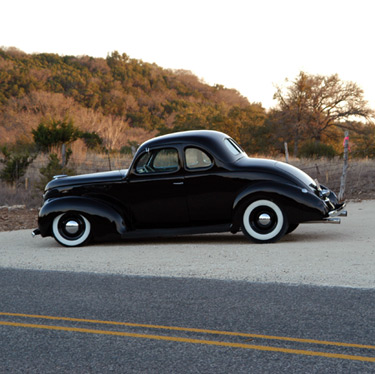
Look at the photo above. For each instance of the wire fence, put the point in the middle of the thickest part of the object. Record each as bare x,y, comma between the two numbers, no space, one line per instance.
360,179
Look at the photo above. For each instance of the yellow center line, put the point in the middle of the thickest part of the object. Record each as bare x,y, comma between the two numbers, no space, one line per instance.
193,341
187,329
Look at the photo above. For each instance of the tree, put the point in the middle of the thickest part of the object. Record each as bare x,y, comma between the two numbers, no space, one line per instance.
92,140
15,164
312,104
53,133
364,139
53,168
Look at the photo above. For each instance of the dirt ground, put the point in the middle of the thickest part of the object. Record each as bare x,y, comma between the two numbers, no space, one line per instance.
18,218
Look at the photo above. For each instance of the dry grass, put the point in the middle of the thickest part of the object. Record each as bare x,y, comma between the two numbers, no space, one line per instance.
360,183
360,180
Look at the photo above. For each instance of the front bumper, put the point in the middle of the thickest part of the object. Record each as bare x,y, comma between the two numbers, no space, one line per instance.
35,232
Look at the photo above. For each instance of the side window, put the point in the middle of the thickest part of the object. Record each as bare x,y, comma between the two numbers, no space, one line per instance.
159,161
166,160
141,166
197,159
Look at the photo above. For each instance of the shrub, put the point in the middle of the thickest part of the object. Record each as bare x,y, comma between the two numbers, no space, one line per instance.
52,132
53,168
16,164
316,150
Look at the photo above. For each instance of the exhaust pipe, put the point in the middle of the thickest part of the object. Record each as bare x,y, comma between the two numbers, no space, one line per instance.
334,220
338,213
343,213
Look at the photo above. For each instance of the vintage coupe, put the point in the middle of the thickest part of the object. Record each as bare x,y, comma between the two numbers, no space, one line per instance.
186,183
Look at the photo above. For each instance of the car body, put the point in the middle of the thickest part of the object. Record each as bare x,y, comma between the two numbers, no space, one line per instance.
185,183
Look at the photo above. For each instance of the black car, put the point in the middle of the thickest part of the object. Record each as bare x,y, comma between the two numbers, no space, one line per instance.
186,183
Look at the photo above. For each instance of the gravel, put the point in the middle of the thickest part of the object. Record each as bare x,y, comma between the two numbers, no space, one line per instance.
316,254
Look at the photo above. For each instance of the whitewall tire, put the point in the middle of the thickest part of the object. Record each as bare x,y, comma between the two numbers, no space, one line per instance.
71,229
263,221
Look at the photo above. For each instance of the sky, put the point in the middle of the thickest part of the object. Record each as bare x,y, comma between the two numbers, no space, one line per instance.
251,46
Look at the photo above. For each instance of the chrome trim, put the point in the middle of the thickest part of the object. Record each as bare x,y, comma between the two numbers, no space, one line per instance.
264,219
327,220
59,176
338,212
35,233
343,213
326,193
72,227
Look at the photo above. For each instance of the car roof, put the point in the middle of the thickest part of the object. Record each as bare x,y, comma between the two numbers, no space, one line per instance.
212,141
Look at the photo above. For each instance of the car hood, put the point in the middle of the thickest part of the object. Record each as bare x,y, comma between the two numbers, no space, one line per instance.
282,169
102,177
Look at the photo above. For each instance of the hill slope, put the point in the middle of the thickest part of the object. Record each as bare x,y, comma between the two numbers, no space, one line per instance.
120,98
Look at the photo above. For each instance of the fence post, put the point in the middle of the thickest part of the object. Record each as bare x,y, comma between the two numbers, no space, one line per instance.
286,152
63,155
345,167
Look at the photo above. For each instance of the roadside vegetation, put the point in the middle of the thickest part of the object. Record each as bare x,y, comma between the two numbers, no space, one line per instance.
58,113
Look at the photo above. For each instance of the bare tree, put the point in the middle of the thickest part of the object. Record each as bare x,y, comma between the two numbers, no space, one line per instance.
312,104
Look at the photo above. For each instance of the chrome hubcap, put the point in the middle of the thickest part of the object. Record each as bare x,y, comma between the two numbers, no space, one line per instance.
72,227
264,219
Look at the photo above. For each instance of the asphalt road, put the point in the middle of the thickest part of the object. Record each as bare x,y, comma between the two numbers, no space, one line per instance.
270,325
206,304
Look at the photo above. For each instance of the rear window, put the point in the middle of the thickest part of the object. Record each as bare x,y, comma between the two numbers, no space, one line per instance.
197,159
233,147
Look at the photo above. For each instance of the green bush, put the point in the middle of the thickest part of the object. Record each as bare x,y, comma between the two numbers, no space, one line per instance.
53,132
316,150
16,164
53,168
92,140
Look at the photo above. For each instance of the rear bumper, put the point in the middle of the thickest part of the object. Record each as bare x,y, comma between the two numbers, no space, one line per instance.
333,215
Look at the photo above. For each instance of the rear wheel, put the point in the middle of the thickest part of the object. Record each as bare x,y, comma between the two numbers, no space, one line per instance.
263,221
71,229
291,228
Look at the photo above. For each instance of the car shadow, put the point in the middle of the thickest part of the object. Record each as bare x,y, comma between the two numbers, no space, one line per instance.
221,239
183,239
209,239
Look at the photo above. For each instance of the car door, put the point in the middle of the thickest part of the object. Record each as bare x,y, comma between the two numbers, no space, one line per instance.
210,190
157,195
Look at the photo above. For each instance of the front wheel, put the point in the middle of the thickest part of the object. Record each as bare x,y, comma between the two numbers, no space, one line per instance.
71,229
291,228
263,221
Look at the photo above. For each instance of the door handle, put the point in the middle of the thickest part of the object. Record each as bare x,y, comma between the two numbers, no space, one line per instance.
178,183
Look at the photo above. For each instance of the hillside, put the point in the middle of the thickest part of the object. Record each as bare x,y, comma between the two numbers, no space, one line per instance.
123,100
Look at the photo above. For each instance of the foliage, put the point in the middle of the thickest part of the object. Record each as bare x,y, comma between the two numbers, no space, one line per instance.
129,149
115,100
364,142
143,95
52,132
53,168
15,164
91,139
315,150
313,104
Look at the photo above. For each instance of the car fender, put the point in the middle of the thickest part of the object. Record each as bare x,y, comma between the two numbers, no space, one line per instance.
300,203
88,206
